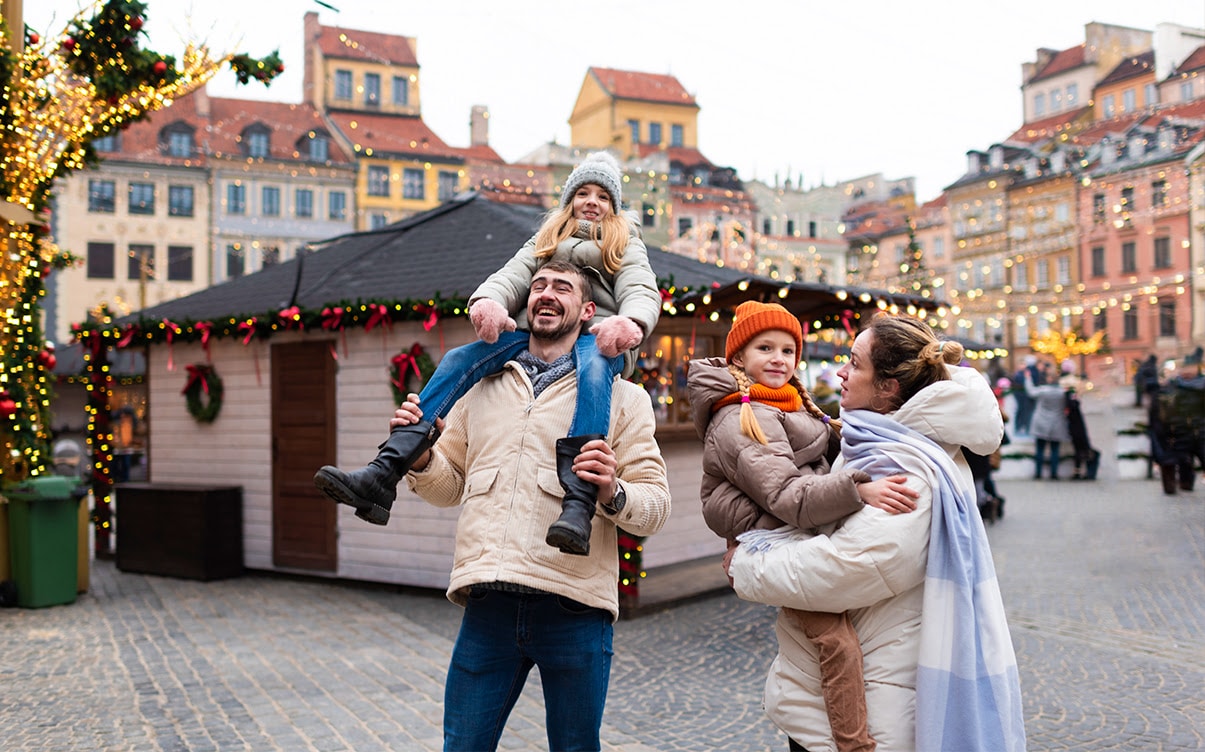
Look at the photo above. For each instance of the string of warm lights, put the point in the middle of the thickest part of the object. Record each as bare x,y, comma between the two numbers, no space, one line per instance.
59,94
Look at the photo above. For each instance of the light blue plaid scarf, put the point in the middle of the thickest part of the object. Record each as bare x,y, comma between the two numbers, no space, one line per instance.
968,695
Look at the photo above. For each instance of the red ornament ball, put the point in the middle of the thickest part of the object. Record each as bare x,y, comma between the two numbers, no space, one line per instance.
160,67
7,407
69,43
34,38
135,23
280,68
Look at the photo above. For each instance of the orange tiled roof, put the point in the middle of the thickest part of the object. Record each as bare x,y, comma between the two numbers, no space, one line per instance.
1040,130
1194,110
1063,61
645,87
391,134
1195,61
482,153
936,203
1134,65
1102,128
140,142
353,44
685,155
289,124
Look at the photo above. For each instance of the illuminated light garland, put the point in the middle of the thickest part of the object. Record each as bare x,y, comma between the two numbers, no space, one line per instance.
59,94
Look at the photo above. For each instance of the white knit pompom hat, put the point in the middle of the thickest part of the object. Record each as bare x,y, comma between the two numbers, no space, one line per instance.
599,168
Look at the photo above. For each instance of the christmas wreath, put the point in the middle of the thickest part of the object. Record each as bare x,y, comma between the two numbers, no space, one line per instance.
203,382
408,367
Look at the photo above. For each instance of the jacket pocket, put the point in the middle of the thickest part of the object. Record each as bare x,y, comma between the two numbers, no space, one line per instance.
549,509
476,522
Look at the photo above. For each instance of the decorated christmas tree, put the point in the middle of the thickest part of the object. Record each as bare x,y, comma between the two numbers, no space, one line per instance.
915,277
60,93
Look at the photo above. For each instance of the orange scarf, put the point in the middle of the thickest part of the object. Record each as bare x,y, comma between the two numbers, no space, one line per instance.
785,398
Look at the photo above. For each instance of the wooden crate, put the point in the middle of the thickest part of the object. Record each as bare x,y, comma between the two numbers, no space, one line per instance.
178,530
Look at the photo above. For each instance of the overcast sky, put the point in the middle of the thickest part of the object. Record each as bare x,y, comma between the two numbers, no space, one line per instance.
827,90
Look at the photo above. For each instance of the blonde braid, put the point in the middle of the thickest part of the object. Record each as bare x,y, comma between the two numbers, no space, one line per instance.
749,425
833,424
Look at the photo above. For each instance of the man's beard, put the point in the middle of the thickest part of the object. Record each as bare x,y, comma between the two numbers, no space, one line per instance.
566,326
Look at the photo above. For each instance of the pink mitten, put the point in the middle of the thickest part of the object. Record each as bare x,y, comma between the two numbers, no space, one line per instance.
616,334
490,319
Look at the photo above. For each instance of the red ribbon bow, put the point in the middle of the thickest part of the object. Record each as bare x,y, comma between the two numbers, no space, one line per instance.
407,361
380,315
248,326
846,320
197,373
127,336
290,316
172,331
206,330
332,318
432,315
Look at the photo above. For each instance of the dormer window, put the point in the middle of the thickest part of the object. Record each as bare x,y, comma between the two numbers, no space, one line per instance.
315,146
176,140
256,143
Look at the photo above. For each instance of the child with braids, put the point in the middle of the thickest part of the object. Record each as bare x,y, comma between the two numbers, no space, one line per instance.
766,458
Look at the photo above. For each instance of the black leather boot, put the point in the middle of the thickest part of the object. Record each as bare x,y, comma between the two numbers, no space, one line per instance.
1167,473
372,488
571,532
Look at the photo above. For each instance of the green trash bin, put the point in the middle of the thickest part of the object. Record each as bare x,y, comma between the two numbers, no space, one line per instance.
43,539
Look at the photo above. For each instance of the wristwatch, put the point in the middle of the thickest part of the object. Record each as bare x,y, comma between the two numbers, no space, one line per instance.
618,501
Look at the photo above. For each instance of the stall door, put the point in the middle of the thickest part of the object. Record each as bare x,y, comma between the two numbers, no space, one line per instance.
303,440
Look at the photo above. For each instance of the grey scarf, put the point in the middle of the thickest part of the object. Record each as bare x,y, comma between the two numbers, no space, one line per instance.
543,374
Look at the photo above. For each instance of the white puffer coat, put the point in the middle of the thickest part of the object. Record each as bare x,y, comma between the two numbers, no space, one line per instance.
873,566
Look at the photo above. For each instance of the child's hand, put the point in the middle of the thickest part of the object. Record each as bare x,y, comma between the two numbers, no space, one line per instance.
490,319
889,494
617,334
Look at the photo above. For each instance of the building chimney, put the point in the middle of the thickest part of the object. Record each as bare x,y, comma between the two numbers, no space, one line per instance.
201,101
311,30
479,126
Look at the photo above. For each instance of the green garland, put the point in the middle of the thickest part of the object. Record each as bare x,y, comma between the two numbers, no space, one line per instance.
203,381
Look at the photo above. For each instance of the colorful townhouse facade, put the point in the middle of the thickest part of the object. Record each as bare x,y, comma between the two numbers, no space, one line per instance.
697,208
1043,224
368,87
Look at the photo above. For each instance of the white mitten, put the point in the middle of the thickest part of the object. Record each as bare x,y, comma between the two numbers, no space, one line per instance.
616,334
490,319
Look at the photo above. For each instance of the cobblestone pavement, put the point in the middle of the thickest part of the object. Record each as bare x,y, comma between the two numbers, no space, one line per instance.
1104,586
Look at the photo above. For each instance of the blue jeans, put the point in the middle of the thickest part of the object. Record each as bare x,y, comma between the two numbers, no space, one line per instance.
502,635
1039,452
464,366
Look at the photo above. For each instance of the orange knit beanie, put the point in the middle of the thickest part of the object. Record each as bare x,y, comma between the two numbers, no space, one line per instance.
752,318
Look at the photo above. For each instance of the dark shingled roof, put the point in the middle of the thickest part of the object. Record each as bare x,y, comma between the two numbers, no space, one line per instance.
447,251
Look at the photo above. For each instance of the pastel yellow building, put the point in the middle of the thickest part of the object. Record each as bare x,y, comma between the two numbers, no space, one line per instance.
623,110
367,84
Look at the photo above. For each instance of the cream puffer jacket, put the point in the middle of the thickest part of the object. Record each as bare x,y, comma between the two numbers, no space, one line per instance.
872,565
631,291
749,485
503,474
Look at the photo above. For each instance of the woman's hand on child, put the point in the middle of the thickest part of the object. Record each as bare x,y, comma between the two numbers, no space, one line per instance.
727,561
889,494
616,334
490,319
